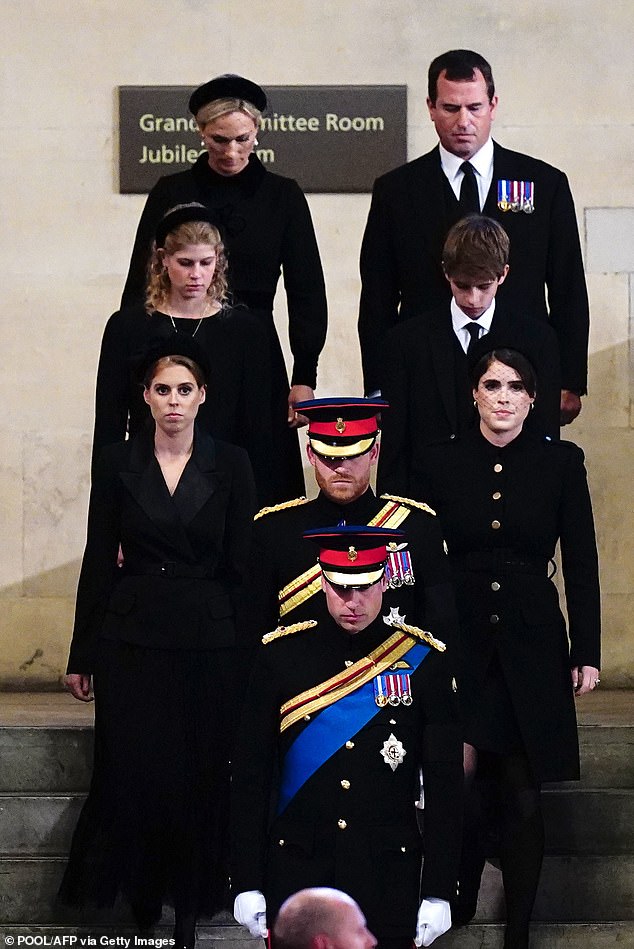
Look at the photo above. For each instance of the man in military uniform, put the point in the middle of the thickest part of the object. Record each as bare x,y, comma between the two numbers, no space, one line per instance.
285,578
339,717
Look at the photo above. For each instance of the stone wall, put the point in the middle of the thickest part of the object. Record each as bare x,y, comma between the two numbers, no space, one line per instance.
564,75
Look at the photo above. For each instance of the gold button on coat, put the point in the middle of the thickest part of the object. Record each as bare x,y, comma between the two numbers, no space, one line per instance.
494,618
281,843
345,784
341,824
496,495
495,586
495,525
497,468
349,744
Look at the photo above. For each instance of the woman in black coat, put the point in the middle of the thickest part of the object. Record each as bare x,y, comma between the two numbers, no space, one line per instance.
267,228
187,294
158,637
505,498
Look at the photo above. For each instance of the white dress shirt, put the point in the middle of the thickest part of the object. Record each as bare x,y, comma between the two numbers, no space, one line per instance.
460,321
482,163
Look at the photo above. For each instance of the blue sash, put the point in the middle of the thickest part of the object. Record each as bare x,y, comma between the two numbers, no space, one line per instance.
329,731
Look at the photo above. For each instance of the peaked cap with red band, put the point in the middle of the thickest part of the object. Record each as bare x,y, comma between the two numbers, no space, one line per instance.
342,428
353,555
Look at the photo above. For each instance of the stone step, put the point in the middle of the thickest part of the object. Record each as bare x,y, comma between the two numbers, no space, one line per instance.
47,758
574,887
609,935
595,821
59,759
583,888
38,824
577,821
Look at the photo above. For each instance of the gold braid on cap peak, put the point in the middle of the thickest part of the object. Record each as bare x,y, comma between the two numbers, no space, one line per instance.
288,630
420,634
419,504
280,507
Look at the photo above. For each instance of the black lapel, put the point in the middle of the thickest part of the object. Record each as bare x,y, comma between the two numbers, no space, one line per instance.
145,483
199,480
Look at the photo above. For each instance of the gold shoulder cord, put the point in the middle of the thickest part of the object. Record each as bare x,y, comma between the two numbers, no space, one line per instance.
419,504
280,507
288,630
420,634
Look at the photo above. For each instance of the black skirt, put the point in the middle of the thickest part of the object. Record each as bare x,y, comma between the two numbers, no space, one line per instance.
154,826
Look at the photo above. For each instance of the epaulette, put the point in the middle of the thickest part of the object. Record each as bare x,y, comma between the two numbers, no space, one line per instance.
420,634
419,504
280,507
288,630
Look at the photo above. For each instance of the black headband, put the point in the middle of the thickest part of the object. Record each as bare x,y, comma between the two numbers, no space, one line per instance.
174,219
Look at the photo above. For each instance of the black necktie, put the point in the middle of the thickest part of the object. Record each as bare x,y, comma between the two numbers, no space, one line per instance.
473,329
469,200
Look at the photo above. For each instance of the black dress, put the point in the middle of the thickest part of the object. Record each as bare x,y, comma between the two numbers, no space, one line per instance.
159,637
503,510
267,229
237,389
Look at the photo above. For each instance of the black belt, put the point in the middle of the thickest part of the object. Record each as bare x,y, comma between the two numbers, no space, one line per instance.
168,568
503,560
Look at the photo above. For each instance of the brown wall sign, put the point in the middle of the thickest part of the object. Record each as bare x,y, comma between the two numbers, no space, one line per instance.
329,138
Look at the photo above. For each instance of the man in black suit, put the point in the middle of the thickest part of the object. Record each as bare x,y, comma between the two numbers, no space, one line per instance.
425,373
414,206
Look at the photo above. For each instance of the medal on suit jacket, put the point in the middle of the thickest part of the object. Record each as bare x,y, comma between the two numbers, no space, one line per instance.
393,688
393,752
398,567
516,195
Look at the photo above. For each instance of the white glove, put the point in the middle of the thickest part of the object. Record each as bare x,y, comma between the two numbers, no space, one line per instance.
249,909
434,919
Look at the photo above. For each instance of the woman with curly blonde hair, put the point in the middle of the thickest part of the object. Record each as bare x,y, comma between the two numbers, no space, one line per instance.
187,293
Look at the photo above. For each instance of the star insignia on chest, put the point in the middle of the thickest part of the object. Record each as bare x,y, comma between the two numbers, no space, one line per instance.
393,752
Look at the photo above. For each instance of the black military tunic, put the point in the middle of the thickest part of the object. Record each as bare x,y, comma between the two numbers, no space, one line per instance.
352,824
280,555
503,511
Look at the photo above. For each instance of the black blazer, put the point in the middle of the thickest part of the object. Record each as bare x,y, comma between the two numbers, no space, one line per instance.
425,379
412,209
184,554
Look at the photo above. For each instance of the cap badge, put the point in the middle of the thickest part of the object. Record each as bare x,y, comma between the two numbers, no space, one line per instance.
352,554
340,425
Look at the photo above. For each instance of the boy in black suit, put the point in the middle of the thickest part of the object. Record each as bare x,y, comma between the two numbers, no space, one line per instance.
425,372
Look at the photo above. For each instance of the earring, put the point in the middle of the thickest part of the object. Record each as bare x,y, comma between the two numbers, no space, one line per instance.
532,406
475,404
255,142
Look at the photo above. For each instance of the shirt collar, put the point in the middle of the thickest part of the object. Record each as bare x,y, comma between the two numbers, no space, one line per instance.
460,319
482,161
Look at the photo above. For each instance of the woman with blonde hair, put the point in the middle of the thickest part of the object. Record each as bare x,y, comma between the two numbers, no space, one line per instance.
187,293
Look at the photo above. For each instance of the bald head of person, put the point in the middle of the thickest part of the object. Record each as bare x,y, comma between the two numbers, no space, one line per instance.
321,918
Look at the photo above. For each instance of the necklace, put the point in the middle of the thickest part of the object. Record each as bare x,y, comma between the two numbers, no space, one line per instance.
204,313
195,331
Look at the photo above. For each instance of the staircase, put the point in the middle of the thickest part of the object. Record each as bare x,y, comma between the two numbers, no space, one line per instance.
45,766
586,894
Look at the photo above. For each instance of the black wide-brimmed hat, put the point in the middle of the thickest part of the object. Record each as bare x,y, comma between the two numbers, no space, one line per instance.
228,86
